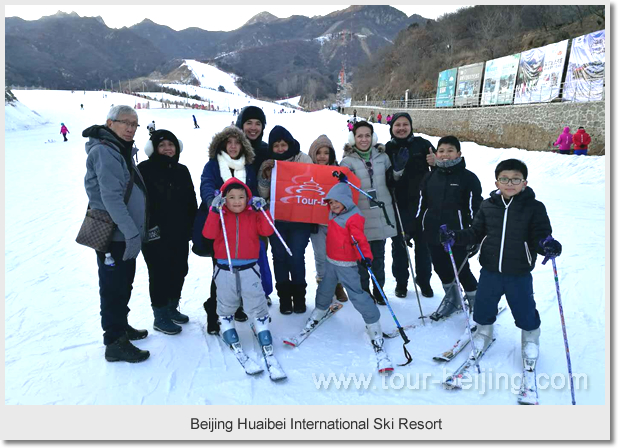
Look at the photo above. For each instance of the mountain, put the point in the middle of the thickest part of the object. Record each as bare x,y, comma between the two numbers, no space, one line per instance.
280,57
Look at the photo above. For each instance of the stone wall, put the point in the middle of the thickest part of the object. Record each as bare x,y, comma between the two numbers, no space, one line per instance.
530,126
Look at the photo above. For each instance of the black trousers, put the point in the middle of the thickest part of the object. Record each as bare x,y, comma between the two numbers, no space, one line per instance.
167,269
115,285
377,265
422,259
444,266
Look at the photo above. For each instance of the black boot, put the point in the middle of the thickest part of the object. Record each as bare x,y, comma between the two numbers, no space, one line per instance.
401,290
425,287
123,350
284,292
177,316
210,306
298,295
135,335
240,316
163,321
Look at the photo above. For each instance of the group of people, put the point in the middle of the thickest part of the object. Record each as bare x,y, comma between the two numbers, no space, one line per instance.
579,141
420,188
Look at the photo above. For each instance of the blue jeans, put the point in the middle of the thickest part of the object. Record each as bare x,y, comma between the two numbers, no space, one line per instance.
519,295
115,285
296,236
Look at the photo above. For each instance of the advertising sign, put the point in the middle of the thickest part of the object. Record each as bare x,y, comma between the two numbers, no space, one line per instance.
585,79
499,80
297,191
540,73
469,79
445,95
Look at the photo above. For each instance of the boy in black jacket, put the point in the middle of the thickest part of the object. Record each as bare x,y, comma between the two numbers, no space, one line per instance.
450,194
512,227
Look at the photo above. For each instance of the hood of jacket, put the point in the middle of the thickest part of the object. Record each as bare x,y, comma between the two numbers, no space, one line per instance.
349,150
342,192
321,142
279,133
100,132
233,180
566,130
217,145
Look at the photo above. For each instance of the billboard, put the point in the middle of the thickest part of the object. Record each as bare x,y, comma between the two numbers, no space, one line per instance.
540,73
586,70
445,95
499,80
469,84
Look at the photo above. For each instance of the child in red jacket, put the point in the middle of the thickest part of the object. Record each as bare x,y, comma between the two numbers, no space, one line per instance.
244,225
345,222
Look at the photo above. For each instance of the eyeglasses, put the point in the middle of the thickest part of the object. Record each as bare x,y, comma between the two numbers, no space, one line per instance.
129,124
506,180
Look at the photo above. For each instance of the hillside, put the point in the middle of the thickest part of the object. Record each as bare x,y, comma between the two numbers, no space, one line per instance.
475,34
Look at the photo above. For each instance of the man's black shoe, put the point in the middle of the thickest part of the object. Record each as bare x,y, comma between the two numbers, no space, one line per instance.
123,350
135,335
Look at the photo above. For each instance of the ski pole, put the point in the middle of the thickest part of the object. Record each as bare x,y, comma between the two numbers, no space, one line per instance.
564,333
227,246
343,178
447,247
403,241
276,231
399,327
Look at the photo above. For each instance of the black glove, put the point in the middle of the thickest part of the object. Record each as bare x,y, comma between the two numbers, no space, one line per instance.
401,159
551,247
446,236
472,249
366,263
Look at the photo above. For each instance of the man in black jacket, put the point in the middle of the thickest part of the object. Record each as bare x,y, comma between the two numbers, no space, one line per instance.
411,158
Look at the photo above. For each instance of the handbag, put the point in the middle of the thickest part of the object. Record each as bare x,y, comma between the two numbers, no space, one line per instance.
202,247
98,226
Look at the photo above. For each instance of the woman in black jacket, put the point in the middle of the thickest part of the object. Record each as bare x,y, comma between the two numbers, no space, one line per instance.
451,195
171,206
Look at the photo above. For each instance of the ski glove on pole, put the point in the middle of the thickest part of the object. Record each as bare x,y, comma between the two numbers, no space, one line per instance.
257,203
133,246
551,247
217,202
447,236
401,159
366,262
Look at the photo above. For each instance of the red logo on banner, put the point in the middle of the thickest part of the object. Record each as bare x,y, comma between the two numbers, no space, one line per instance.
297,191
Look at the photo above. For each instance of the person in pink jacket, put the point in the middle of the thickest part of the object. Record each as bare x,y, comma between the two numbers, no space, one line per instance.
64,131
565,140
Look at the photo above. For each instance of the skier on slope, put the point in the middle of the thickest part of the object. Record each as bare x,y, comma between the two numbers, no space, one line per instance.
345,222
513,227
64,131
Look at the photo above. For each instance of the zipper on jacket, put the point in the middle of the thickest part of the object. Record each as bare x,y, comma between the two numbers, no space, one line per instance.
528,253
506,213
420,203
460,220
470,207
236,254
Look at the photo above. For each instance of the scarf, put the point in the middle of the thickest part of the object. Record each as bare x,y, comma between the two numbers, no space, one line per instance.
448,163
226,163
365,155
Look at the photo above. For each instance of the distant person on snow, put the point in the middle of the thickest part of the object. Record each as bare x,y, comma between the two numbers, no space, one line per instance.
379,117
151,127
82,106
111,175
64,131
388,119
196,126
581,140
565,140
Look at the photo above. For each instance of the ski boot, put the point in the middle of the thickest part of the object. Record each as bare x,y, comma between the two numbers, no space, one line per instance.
377,341
450,303
530,344
260,327
470,297
315,317
228,330
482,338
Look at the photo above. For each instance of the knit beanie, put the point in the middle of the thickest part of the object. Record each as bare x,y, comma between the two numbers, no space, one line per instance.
157,137
399,115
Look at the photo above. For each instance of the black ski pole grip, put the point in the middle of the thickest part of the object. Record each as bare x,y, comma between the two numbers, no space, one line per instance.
404,336
336,174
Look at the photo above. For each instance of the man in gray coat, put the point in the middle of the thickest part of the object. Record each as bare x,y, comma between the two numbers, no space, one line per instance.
110,172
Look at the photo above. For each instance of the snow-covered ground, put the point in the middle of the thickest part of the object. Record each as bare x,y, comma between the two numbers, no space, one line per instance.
53,340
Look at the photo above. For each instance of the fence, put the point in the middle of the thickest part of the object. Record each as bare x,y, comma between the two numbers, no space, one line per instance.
477,100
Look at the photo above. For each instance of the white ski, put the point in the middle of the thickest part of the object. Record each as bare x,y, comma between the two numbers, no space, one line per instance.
250,366
528,392
275,371
295,341
453,381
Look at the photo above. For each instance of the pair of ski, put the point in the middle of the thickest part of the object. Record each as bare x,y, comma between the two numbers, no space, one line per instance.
275,371
527,395
384,363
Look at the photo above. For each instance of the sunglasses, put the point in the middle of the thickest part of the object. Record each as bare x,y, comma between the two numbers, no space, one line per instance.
369,167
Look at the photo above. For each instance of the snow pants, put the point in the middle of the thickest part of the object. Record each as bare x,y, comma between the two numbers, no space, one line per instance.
422,259
580,152
444,266
296,235
115,285
377,265
167,269
318,241
519,295
348,276
242,282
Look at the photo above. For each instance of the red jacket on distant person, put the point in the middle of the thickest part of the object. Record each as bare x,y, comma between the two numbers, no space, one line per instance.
247,226
581,139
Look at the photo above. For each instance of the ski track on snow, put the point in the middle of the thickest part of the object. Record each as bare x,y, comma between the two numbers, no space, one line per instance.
53,341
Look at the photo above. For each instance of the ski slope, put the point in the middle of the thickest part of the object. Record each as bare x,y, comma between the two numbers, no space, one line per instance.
53,339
